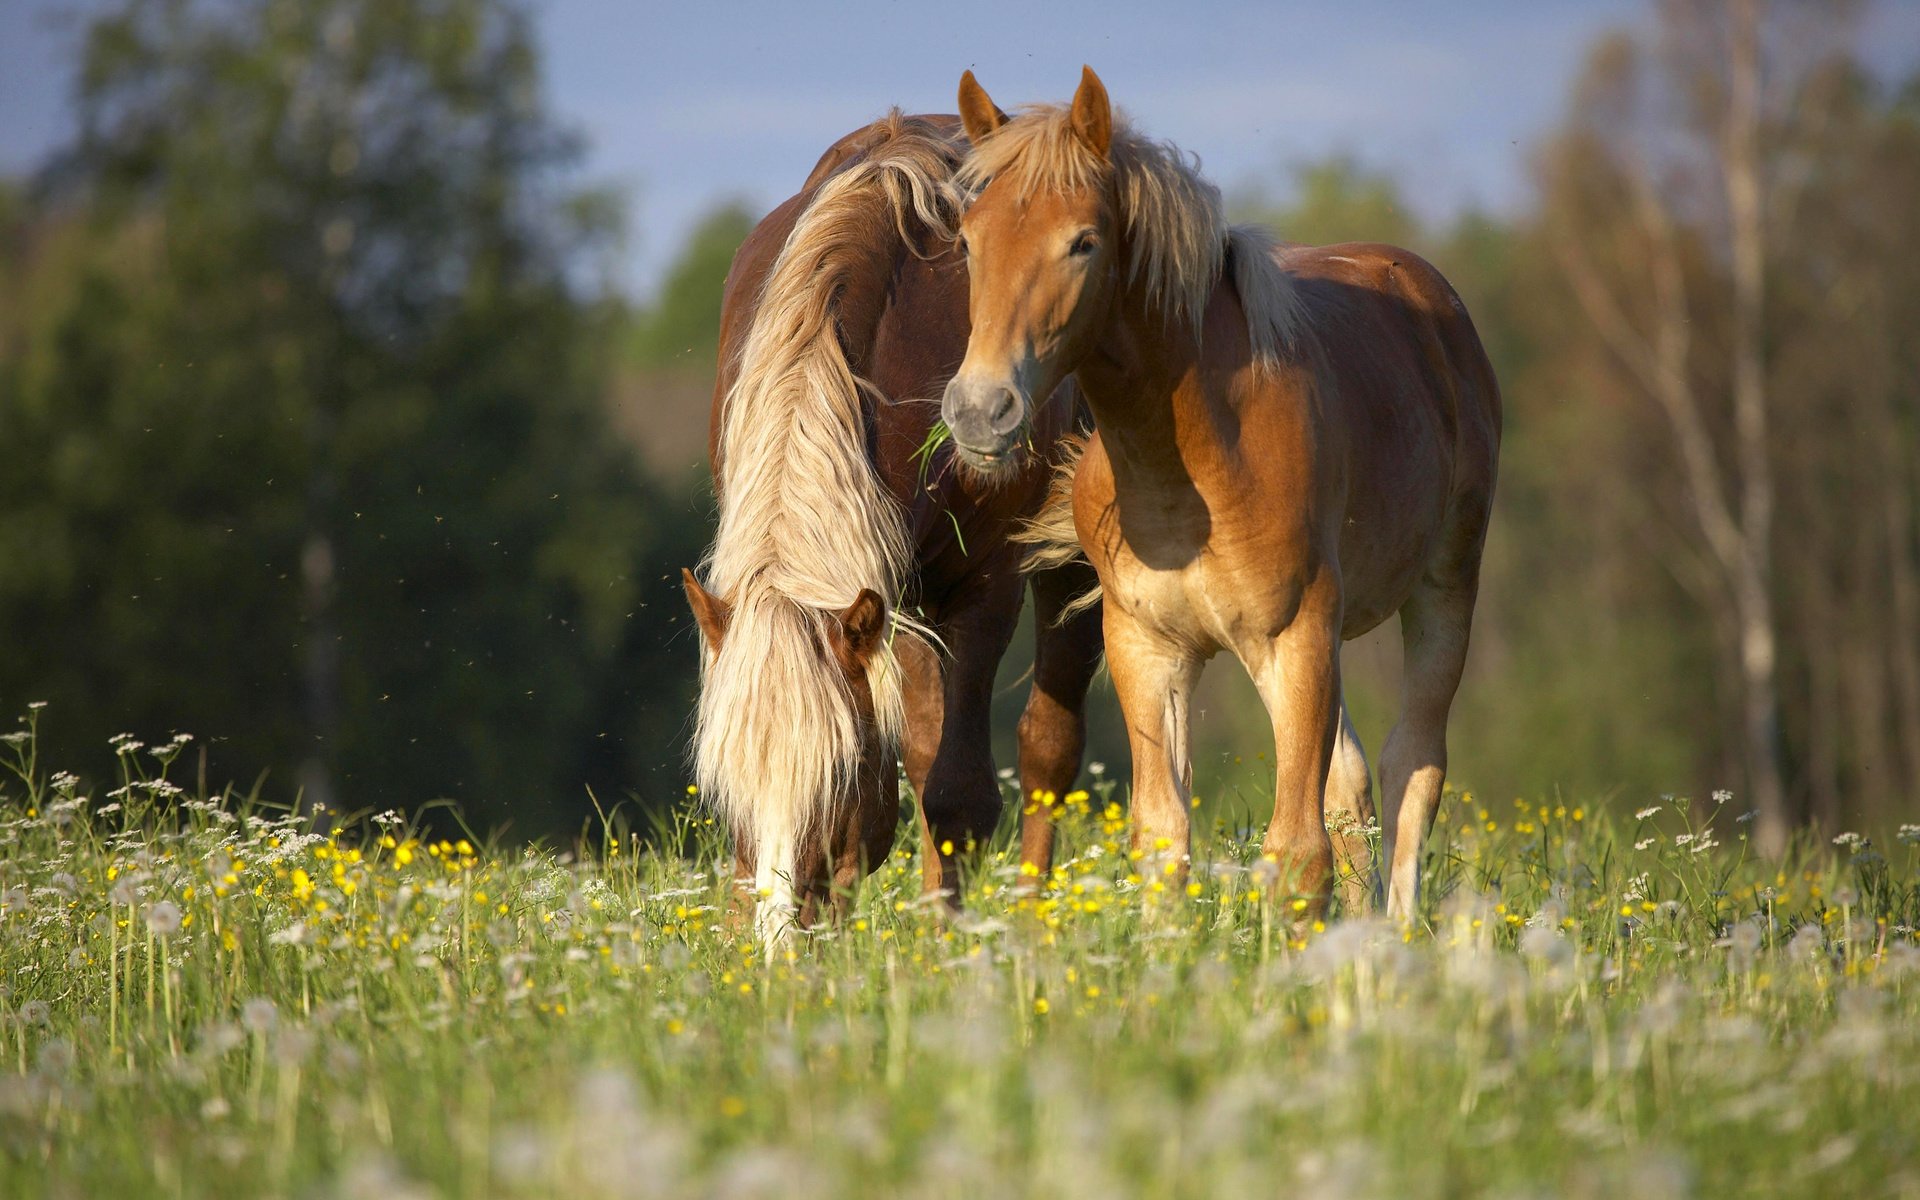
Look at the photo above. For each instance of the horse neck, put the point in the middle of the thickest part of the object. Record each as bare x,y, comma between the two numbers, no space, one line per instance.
1143,382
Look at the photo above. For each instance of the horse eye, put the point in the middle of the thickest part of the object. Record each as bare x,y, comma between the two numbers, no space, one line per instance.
1083,245
961,242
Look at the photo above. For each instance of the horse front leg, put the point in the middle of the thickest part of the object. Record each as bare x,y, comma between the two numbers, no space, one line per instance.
1053,729
959,798
1154,677
1299,679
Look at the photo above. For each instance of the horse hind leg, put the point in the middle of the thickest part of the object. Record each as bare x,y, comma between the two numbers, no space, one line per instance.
1348,810
1053,728
1434,625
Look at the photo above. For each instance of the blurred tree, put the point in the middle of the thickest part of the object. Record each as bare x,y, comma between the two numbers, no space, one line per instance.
1334,199
1720,209
300,415
663,387
681,330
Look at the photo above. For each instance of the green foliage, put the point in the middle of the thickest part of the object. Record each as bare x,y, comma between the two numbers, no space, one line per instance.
233,1003
299,411
1334,200
682,329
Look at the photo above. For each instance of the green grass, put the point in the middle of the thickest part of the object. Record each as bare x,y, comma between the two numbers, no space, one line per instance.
202,998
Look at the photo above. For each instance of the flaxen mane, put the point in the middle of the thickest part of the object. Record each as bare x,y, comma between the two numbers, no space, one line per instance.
1178,242
1178,246
805,522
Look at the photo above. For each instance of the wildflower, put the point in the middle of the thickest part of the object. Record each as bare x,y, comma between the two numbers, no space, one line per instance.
1644,813
259,1014
1850,840
1096,769
163,919
1808,943
1721,795
55,1057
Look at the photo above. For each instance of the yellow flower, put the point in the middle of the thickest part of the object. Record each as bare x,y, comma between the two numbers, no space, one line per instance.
1040,1006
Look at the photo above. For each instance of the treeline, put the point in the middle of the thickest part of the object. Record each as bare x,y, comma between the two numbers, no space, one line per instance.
302,442
318,439
1704,571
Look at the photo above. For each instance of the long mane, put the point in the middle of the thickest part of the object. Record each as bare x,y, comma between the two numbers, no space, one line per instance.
805,521
1173,222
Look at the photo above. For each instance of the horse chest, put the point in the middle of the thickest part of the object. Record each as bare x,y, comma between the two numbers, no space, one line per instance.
1199,604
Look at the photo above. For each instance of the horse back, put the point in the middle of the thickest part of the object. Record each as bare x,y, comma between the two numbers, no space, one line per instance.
859,306
1409,398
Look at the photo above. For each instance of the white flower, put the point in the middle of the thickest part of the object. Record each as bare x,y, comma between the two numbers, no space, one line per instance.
1644,813
1096,769
259,1014
163,919
1722,795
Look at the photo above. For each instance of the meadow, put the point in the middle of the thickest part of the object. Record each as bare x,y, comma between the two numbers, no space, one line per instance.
205,996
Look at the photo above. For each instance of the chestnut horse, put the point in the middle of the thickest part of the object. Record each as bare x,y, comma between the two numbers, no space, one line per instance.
1294,443
846,552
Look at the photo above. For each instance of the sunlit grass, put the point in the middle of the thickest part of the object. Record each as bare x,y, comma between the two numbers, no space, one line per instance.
213,998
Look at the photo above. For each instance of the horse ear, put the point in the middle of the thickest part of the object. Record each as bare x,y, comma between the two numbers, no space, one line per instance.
979,115
1092,113
863,624
709,610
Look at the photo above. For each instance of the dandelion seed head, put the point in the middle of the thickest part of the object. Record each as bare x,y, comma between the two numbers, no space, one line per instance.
163,919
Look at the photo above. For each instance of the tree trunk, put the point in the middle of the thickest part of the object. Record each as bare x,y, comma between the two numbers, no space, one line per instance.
1753,576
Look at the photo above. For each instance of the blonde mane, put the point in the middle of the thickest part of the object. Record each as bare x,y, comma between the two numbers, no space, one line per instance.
1172,221
805,521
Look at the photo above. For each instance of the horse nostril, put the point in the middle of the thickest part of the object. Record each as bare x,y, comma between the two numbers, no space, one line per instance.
1006,412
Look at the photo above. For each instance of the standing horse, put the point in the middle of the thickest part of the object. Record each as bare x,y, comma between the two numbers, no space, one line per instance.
845,550
1294,443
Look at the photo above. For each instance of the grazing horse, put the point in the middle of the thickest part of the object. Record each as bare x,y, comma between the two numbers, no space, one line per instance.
1294,443
847,551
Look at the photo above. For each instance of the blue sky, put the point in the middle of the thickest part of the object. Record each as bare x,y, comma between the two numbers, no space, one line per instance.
686,103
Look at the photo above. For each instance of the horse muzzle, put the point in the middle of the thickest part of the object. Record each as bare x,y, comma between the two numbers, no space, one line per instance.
985,419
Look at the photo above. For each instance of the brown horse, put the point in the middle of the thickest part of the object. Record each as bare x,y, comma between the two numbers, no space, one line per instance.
846,553
1294,443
